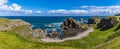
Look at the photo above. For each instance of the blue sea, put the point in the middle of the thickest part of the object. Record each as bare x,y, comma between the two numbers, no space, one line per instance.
44,22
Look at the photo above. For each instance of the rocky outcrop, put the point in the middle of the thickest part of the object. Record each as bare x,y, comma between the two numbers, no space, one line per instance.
93,20
6,24
106,23
69,24
39,33
18,22
54,35
27,33
71,28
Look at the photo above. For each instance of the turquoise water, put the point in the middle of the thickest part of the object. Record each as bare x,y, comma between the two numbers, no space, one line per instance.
44,21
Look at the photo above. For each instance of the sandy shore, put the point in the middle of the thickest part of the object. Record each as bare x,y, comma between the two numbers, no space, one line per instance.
79,36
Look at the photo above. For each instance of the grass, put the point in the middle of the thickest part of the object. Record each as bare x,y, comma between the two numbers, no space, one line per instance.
10,40
111,40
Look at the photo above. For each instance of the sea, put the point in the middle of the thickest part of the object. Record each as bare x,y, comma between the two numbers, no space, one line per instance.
46,22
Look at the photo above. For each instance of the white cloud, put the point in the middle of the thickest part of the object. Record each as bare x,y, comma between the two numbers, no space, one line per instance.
103,9
15,7
4,7
38,12
111,7
3,2
111,10
63,11
78,11
28,11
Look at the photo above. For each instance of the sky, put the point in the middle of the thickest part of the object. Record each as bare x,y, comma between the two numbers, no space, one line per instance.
59,7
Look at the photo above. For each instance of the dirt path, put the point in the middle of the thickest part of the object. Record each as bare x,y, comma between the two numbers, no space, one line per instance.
79,36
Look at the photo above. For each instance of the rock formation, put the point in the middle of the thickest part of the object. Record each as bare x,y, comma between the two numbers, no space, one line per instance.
54,35
71,28
69,24
93,20
106,23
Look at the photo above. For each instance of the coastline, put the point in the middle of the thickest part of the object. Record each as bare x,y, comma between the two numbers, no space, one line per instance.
79,36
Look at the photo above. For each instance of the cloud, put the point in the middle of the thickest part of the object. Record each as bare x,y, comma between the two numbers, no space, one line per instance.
103,9
4,7
63,11
3,2
38,12
93,10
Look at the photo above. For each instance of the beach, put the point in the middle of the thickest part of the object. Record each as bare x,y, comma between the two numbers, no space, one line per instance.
79,36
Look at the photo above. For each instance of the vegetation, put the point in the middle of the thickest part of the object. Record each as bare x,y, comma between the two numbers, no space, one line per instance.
107,39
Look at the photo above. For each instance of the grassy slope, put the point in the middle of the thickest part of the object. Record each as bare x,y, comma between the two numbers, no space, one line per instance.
10,40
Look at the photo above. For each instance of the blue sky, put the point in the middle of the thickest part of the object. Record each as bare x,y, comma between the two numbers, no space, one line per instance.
59,7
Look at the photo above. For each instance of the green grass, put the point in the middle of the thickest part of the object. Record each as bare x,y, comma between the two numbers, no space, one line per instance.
10,40
111,40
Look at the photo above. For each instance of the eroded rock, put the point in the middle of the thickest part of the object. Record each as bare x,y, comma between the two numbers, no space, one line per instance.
71,28
69,24
106,23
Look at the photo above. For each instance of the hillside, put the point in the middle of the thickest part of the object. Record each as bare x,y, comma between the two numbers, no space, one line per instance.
107,39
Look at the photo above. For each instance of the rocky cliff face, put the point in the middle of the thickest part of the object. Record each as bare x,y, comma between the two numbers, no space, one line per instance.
69,24
71,28
93,20
106,23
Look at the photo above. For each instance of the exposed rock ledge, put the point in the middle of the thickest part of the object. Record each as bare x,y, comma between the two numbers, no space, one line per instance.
6,24
79,36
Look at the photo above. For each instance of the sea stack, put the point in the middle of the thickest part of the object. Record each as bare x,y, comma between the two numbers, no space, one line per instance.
71,28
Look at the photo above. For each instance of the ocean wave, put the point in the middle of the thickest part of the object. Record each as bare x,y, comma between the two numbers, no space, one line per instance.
53,24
